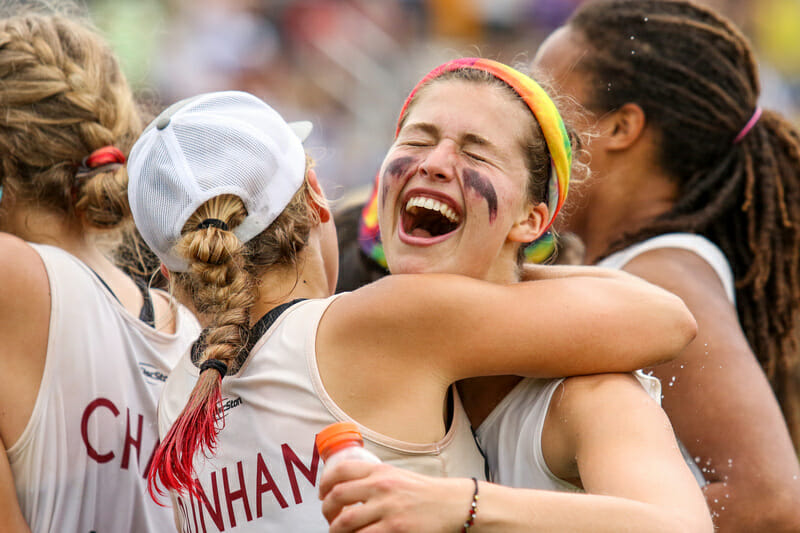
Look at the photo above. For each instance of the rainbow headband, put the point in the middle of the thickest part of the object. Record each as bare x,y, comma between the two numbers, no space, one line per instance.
555,135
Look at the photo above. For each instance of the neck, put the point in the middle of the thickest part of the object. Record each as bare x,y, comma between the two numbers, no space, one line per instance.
306,279
504,269
42,226
620,201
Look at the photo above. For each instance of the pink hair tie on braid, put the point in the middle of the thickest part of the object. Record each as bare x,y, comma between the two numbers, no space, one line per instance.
748,126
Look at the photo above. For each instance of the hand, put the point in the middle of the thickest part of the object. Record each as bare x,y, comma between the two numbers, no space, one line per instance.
392,499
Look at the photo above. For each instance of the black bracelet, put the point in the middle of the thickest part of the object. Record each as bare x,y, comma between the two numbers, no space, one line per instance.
473,509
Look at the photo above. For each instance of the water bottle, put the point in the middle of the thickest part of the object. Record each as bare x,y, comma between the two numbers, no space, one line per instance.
342,441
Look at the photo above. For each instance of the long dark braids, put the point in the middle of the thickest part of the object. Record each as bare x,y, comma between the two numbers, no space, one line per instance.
694,75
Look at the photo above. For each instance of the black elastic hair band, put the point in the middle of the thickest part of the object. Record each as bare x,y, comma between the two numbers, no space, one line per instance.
216,364
217,223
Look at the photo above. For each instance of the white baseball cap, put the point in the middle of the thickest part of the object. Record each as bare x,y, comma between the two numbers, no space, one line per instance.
219,143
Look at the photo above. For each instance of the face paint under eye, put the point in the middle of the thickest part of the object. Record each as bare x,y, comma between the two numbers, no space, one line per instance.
393,172
475,181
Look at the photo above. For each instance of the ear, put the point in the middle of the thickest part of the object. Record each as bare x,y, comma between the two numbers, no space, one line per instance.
623,127
530,225
321,208
164,271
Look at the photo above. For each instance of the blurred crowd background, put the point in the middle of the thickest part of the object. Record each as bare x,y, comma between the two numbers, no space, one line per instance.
347,65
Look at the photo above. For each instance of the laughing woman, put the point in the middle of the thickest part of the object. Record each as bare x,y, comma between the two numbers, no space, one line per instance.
453,188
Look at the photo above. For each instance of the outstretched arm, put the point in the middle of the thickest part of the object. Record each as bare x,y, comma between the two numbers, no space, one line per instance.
574,320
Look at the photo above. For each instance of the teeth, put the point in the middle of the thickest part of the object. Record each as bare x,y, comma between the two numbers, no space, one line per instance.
432,205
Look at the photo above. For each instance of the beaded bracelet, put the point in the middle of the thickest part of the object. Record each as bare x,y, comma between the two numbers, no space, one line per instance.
473,510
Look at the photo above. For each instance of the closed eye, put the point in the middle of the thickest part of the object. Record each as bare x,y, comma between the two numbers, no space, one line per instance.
476,157
416,143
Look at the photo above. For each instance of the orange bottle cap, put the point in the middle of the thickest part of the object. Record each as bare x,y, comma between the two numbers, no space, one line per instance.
337,436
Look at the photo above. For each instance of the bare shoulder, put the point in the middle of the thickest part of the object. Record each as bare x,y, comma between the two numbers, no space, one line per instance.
409,295
679,271
589,398
23,273
586,409
599,391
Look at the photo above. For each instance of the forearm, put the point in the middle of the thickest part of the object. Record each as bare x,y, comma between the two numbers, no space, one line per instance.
775,511
503,509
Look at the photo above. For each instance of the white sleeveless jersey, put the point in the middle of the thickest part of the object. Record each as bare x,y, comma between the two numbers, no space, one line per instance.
511,436
697,244
80,463
265,473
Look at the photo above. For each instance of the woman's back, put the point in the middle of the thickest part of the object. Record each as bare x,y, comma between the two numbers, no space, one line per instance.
91,431
268,477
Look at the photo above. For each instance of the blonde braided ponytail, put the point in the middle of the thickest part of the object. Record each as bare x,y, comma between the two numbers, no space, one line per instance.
63,96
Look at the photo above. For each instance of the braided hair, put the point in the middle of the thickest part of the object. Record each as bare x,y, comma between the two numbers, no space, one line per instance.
694,75
63,96
223,285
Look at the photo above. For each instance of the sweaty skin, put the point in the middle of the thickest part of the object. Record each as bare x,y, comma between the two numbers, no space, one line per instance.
394,170
475,181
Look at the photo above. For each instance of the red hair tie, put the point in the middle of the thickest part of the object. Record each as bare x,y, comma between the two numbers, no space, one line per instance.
98,160
105,156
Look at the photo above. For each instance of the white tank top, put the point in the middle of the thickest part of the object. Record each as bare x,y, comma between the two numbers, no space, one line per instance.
697,244
511,436
265,474
80,463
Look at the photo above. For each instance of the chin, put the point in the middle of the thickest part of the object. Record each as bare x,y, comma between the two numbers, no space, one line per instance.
413,264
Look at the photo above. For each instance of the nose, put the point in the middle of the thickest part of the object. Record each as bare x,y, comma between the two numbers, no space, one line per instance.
440,162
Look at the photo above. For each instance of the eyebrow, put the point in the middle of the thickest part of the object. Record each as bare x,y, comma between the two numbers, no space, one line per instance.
467,138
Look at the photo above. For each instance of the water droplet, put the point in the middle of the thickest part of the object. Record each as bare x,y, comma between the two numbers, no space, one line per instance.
633,52
722,508
697,459
632,38
646,19
716,500
671,384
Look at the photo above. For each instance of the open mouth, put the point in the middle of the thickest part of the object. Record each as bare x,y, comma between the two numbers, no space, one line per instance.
425,217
